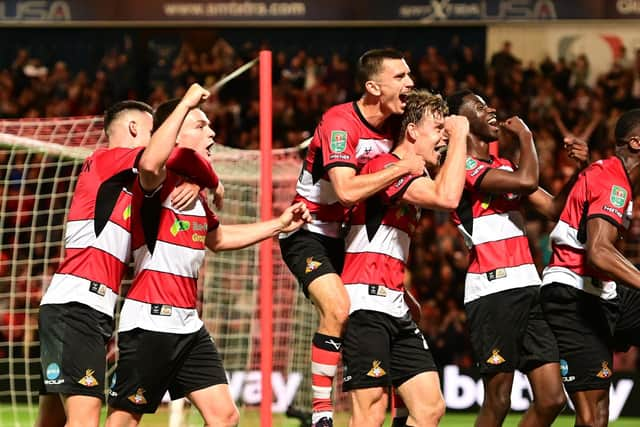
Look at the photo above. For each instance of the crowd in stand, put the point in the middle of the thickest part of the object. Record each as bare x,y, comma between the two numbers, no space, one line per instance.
553,97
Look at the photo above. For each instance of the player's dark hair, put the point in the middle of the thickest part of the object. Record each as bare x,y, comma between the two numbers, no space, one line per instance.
419,103
163,111
370,63
628,123
455,100
119,107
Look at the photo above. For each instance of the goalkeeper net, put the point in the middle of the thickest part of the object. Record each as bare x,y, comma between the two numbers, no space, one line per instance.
40,160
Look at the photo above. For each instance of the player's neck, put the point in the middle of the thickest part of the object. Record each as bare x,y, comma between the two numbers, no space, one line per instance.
371,112
477,147
403,147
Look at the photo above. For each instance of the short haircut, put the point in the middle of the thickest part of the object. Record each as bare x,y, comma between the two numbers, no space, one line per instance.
455,100
626,125
118,108
419,104
163,111
370,63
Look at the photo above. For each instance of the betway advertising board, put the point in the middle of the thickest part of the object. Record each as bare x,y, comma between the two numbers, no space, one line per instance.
462,390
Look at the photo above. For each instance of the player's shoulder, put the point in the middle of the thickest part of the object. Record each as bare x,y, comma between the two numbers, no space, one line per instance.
605,169
341,113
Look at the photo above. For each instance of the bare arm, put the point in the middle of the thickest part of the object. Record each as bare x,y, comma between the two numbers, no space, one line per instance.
525,178
238,236
604,256
551,206
351,188
152,163
445,191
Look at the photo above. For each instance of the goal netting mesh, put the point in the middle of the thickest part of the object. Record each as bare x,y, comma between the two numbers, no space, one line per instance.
39,163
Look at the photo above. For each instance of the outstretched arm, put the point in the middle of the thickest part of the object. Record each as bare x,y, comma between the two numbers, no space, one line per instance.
604,256
445,191
525,178
238,236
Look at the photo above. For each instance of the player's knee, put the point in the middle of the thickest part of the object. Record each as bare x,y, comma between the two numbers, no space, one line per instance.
498,401
430,415
228,418
552,403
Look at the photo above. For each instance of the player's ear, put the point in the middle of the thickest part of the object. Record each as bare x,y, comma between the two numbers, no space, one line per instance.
372,87
412,131
634,143
133,128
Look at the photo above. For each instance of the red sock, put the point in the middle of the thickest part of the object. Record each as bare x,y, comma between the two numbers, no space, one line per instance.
325,356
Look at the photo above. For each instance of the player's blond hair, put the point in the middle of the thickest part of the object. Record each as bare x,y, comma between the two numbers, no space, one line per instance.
421,103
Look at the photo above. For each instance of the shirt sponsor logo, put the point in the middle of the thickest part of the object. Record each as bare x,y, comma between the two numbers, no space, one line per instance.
179,226
338,141
126,214
618,196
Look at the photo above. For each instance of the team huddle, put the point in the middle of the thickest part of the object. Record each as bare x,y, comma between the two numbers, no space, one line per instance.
370,169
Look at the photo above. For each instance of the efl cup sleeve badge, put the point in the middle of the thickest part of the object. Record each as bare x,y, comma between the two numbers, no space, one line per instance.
376,371
618,196
495,358
89,380
470,163
338,141
138,398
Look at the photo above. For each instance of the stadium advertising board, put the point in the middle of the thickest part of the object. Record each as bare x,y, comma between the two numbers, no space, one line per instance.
308,11
462,390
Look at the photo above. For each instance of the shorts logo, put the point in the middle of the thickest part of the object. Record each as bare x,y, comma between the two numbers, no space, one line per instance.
88,380
312,265
179,226
376,371
605,372
338,141
495,358
53,371
138,398
126,214
470,164
564,372
618,196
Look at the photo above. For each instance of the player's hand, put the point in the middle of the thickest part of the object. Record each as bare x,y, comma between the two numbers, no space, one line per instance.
218,196
516,125
294,217
456,125
577,149
194,96
412,163
184,195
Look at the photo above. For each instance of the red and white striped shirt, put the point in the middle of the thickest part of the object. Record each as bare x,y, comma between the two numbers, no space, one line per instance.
343,138
494,230
377,246
168,251
97,238
602,191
